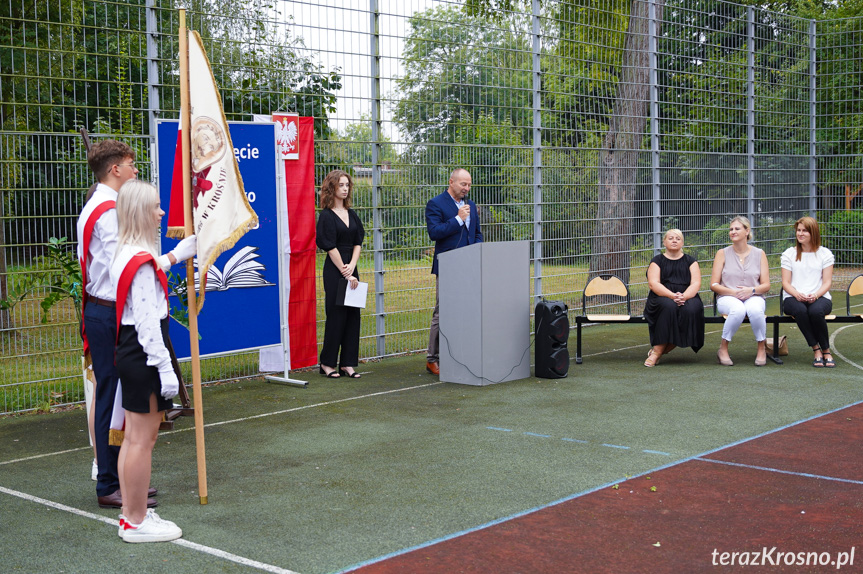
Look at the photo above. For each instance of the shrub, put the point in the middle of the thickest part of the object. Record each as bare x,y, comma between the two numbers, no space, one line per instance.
843,235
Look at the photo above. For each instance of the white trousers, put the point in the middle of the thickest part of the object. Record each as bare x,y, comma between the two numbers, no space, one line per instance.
737,310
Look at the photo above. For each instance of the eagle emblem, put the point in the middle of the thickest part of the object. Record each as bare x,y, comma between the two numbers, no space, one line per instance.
286,136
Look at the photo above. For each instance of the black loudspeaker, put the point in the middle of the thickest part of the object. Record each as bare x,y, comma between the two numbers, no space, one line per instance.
552,335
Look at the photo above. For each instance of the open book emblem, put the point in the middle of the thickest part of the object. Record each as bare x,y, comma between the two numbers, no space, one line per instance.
240,271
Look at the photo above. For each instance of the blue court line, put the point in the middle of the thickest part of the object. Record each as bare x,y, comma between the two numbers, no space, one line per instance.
539,435
615,446
587,491
780,471
498,428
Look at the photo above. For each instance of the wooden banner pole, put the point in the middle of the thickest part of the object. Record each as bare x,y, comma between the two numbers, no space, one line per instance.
185,114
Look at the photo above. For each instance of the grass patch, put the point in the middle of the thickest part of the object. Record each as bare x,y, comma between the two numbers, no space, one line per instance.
40,368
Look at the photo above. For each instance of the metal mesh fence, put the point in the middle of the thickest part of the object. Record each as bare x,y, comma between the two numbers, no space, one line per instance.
588,127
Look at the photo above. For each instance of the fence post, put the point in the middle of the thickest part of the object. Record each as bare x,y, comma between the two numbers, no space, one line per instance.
813,125
537,154
653,63
377,232
750,114
152,72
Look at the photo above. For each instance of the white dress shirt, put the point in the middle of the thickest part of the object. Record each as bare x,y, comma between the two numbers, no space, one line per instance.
103,244
145,307
461,223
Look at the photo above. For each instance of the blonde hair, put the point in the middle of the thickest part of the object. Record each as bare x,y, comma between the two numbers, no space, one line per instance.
136,201
746,225
673,230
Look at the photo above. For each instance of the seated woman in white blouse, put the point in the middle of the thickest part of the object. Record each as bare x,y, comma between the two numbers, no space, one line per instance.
807,274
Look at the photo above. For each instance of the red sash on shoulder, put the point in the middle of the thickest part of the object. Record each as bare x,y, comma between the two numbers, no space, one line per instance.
85,249
128,274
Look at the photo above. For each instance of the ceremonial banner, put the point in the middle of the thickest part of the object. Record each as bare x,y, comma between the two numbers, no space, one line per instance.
300,190
243,282
222,213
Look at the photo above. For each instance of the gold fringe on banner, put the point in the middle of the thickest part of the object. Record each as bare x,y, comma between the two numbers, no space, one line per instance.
115,437
176,233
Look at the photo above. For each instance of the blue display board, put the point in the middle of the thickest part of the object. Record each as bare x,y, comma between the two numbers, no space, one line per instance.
241,305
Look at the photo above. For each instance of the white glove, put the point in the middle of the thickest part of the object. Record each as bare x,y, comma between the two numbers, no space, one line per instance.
170,384
186,248
163,262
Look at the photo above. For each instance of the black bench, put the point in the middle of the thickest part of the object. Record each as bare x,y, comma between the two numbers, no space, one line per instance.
611,288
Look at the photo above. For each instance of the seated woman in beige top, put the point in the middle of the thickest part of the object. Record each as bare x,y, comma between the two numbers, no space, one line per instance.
740,279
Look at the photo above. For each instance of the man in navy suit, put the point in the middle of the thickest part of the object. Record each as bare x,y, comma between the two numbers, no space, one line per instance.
452,221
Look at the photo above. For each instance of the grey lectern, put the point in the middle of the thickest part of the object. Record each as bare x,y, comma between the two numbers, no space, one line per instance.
484,292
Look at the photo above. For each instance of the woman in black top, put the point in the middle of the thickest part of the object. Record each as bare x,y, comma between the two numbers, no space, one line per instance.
340,233
674,311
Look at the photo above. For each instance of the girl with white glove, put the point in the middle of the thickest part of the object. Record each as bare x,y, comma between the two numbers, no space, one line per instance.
143,355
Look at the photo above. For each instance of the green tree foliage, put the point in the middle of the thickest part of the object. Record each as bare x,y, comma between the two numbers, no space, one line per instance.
354,146
66,64
459,68
71,64
703,50
840,126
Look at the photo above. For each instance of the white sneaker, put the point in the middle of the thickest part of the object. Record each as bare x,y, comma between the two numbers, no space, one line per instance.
122,526
94,472
152,529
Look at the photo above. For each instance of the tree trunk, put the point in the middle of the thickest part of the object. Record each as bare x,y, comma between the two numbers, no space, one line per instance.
618,164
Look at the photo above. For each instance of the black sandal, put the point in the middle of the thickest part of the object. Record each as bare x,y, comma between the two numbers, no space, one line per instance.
331,375
818,361
829,363
344,373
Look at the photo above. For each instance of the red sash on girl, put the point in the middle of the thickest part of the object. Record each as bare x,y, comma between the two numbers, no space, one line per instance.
128,274
85,249
118,420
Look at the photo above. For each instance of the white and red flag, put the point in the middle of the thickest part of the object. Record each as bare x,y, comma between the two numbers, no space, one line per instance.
295,137
221,211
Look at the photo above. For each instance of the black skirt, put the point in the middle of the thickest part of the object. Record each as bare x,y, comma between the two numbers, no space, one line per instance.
138,379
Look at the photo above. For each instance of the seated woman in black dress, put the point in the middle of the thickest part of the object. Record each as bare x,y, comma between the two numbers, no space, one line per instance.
674,311
340,233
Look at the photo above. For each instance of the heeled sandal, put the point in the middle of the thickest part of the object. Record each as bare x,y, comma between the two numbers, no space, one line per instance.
331,375
652,358
344,373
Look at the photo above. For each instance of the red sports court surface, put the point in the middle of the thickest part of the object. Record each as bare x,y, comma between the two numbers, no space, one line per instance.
798,490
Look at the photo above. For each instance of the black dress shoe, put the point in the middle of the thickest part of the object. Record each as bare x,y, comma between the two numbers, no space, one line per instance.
115,500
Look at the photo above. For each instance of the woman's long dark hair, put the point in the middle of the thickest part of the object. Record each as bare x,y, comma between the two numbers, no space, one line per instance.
331,184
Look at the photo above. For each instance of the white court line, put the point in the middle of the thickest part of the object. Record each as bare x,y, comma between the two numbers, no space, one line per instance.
638,346
44,455
833,346
191,545
179,542
779,470
295,409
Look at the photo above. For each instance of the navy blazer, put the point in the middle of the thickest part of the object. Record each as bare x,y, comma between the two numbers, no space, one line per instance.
445,231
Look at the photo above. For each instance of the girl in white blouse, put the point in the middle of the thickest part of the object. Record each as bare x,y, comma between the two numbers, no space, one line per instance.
807,274
147,376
